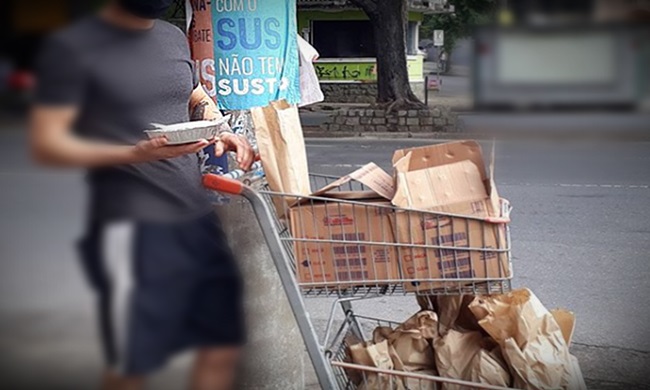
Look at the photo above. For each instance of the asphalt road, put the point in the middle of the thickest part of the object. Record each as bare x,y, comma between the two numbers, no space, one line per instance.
580,231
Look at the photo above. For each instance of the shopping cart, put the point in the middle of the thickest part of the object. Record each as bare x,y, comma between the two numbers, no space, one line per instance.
329,246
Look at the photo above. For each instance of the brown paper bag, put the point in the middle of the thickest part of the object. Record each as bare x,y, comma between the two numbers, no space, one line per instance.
411,344
454,353
282,148
384,333
566,320
413,349
425,321
381,333
488,368
353,342
461,355
421,384
412,341
379,356
531,341
453,313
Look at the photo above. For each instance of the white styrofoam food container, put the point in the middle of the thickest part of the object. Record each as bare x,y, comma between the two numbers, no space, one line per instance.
187,132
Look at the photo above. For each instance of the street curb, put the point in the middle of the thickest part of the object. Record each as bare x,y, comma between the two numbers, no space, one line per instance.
508,136
383,135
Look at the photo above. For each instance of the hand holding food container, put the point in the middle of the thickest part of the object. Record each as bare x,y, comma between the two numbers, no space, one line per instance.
168,141
159,149
188,132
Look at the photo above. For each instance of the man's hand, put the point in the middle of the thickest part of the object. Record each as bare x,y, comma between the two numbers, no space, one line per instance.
159,149
238,144
202,107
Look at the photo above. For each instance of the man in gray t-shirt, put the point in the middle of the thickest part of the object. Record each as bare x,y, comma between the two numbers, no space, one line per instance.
154,252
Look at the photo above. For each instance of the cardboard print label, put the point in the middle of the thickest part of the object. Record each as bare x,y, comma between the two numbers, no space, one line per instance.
348,259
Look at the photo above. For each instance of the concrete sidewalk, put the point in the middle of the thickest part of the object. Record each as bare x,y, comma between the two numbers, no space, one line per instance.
513,125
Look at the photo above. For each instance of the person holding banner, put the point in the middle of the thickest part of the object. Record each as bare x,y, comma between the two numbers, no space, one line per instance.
154,252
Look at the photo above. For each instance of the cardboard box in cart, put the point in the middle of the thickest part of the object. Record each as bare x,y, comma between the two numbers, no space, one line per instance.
449,178
320,263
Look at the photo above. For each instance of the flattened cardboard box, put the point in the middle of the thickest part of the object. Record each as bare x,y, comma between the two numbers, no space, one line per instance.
418,264
449,178
319,263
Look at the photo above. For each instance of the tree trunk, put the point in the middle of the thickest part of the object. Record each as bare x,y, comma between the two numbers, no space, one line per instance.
388,18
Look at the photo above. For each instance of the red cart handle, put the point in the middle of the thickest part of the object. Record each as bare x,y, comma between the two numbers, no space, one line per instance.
222,184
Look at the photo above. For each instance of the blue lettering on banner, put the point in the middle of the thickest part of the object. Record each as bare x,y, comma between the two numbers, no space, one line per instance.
224,34
255,52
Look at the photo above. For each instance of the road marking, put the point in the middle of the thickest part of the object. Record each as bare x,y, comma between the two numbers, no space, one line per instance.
603,186
341,165
567,185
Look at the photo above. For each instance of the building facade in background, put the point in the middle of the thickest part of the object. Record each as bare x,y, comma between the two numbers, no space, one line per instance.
556,53
344,38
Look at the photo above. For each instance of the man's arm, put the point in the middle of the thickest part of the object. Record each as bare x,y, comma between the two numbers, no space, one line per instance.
61,78
202,107
52,143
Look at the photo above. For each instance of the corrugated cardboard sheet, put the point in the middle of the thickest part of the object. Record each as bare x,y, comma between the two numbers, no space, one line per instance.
319,262
449,178
374,178
443,178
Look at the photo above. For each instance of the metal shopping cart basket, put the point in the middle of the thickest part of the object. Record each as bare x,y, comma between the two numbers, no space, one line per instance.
353,376
330,246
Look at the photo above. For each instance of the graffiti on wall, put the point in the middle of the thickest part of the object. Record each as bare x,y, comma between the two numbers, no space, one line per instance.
352,72
359,71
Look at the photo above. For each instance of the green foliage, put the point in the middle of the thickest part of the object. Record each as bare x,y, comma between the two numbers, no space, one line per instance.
176,14
467,13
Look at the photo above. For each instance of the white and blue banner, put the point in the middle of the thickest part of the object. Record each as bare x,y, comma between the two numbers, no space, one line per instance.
255,52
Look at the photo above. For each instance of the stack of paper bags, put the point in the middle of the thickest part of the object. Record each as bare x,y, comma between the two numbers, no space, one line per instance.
412,344
462,351
532,341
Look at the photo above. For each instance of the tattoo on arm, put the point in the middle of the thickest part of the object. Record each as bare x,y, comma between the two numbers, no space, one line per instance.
224,129
199,111
198,114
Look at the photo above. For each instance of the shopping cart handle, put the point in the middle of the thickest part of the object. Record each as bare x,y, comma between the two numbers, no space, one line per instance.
222,184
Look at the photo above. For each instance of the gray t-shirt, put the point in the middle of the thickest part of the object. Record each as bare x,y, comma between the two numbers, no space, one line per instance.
122,81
